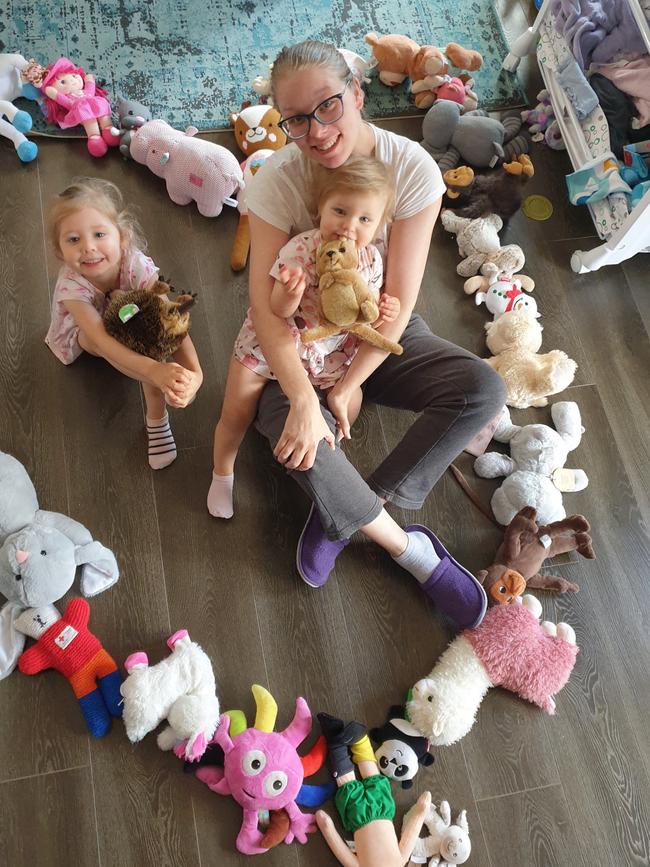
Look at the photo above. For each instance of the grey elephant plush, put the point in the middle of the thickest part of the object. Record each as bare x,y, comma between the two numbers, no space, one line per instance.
132,115
473,138
39,555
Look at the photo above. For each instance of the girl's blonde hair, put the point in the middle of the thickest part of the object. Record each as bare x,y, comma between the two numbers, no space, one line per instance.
311,52
101,195
358,174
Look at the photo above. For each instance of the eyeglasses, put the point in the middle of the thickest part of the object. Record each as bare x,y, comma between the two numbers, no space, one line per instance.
328,111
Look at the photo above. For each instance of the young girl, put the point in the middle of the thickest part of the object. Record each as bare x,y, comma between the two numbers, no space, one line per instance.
100,246
354,202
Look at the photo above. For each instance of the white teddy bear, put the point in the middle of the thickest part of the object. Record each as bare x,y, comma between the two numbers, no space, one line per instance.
446,844
535,471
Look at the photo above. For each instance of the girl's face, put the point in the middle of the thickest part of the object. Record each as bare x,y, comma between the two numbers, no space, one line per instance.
352,215
91,245
68,82
301,92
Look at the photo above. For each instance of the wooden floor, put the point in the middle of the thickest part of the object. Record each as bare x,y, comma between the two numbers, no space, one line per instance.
567,790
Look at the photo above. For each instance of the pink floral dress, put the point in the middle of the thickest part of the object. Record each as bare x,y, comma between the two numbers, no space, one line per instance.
325,361
136,272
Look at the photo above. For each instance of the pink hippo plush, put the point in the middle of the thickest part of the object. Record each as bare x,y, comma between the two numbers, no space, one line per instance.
193,168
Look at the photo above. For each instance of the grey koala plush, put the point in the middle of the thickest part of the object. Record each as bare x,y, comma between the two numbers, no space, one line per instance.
39,555
132,115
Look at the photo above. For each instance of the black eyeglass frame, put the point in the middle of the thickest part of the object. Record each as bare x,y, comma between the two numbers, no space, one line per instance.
312,114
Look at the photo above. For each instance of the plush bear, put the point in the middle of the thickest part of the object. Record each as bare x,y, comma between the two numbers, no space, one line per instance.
428,70
514,339
394,55
131,115
148,323
478,241
346,303
535,472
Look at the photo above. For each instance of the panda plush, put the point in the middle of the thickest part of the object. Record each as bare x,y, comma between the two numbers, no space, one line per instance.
401,750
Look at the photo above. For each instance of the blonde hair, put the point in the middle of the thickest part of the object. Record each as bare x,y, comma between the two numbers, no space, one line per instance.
104,197
311,52
358,174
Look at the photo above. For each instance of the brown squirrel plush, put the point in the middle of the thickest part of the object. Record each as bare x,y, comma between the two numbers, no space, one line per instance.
345,302
148,323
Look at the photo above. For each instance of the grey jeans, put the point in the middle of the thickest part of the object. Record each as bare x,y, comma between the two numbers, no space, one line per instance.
456,395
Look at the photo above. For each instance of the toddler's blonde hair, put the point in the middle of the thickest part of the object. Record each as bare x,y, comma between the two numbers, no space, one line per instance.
358,174
104,197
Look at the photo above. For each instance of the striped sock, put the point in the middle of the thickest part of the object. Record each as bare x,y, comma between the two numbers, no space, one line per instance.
162,448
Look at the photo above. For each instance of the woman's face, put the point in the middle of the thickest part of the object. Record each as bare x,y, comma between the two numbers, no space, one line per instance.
300,92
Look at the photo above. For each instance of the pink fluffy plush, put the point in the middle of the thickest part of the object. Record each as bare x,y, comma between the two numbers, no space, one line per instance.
519,656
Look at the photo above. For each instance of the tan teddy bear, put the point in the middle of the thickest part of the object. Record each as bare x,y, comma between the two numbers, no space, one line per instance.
428,70
346,303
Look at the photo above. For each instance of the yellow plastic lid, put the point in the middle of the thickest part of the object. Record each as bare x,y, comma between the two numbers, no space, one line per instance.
537,207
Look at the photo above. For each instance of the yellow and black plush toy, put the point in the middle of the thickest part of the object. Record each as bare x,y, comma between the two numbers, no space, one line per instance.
147,322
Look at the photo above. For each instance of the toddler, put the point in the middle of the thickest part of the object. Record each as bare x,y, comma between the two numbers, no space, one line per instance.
100,246
353,202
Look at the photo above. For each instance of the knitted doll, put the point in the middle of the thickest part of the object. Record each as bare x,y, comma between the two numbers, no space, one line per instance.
71,98
66,645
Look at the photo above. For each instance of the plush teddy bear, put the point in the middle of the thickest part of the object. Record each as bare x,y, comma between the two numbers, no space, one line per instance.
473,138
514,339
501,294
499,192
131,116
346,303
448,843
535,471
479,244
148,323
394,55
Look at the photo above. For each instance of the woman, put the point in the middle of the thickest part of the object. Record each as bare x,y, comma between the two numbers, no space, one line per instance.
456,393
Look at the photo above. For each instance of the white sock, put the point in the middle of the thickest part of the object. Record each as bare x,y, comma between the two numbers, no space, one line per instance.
162,448
419,558
220,496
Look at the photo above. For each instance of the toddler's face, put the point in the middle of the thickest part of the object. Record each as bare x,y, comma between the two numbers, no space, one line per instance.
90,244
68,82
352,215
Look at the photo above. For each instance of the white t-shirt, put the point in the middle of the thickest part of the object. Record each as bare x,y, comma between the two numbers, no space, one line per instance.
281,190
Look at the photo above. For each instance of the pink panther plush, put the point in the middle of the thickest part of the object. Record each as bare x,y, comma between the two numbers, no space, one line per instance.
194,169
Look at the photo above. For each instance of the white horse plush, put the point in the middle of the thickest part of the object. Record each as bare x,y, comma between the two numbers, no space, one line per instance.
17,122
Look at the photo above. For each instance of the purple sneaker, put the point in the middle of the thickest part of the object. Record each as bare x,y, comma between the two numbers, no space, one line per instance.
316,553
451,588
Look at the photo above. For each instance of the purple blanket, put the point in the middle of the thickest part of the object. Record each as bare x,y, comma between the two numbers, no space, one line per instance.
598,31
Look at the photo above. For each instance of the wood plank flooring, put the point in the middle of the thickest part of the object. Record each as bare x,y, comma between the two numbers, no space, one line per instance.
547,791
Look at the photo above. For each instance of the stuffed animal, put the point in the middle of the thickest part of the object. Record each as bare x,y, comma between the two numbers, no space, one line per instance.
258,135
263,771
346,303
148,323
39,555
447,844
131,115
67,645
180,689
500,192
473,138
394,55
459,89
401,750
542,123
501,294
478,241
428,70
535,472
514,339
525,547
14,123
510,649
194,169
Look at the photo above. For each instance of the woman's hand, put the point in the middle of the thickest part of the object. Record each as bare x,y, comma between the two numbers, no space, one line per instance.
303,430
344,403
389,308
173,380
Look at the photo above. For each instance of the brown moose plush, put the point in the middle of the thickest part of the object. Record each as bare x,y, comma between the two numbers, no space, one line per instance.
147,322
524,549
346,303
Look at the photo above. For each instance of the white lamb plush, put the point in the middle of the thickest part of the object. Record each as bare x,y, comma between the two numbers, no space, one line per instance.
446,844
181,689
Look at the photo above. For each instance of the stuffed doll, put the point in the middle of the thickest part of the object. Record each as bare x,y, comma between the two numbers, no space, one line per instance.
346,303
515,339
67,645
534,470
501,294
366,806
448,843
131,115
401,750
510,649
14,123
500,192
39,555
72,98
525,547
180,689
147,322
478,242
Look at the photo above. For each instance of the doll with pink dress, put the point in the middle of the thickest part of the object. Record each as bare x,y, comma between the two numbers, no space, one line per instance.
72,98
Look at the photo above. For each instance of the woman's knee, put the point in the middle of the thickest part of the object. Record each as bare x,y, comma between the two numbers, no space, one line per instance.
489,389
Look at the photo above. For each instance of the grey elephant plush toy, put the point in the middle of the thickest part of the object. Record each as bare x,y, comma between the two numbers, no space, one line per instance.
473,138
39,555
132,115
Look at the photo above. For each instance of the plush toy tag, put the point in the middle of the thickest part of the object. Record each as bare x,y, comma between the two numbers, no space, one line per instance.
128,311
564,479
66,637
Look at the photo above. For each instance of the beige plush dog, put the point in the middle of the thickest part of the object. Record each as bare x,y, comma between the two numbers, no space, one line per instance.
346,302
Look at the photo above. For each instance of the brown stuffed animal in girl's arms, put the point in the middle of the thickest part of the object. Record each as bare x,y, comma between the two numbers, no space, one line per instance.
149,323
523,551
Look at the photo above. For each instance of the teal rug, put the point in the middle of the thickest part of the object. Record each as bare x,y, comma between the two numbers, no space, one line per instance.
193,61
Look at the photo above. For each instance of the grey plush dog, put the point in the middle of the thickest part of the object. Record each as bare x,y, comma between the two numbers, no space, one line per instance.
132,115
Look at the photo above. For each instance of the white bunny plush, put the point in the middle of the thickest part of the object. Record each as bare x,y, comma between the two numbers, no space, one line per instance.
39,555
447,843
